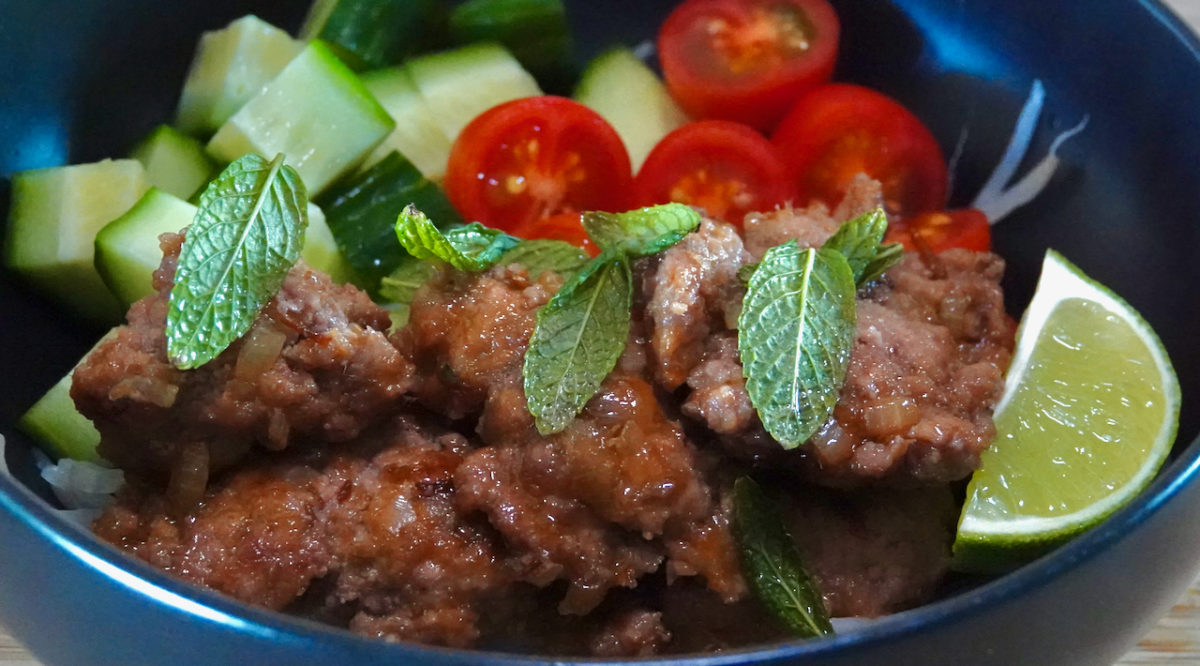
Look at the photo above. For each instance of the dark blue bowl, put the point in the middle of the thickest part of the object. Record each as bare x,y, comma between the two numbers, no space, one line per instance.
81,80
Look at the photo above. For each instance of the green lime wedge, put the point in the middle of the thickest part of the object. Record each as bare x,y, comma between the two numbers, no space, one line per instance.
1089,414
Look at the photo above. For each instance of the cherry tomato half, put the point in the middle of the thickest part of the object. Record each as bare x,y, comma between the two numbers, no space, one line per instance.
747,60
941,230
726,168
837,131
564,227
534,158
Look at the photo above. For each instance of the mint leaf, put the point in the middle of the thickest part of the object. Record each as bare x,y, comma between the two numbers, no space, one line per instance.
246,235
471,248
772,565
641,232
888,255
539,256
795,333
399,288
858,240
578,338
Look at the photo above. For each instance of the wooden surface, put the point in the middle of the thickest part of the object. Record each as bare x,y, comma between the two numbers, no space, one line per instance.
1175,640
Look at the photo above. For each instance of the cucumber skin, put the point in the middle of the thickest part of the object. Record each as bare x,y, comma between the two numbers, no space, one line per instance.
632,98
260,128
369,34
535,31
362,211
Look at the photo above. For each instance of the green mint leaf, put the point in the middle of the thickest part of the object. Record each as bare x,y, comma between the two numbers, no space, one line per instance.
541,255
772,565
745,272
471,248
858,240
795,333
246,235
641,232
578,338
889,255
399,288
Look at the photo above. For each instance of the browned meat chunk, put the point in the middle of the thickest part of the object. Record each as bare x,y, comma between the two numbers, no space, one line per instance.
317,366
811,226
634,633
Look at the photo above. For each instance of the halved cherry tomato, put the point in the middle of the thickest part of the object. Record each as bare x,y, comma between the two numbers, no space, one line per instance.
747,60
838,131
564,227
941,230
534,158
726,168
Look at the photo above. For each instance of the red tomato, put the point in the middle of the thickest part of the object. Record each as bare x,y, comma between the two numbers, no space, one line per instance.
838,131
939,231
564,227
726,168
747,60
534,158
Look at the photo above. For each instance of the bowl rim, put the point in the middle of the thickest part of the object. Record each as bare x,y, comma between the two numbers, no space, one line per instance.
168,594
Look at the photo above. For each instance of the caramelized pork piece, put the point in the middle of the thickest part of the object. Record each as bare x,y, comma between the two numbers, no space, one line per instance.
317,366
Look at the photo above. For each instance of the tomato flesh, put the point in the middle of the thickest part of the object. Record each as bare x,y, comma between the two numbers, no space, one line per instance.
838,131
534,158
939,231
563,226
747,60
726,168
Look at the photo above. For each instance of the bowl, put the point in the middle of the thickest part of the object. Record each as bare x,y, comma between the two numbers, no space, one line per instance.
82,79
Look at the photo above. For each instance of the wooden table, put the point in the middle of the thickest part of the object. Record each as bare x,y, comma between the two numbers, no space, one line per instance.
1175,640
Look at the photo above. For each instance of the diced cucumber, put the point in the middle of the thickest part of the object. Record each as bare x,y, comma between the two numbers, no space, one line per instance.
127,251
321,250
175,162
316,112
53,420
418,136
56,213
369,34
632,98
231,65
362,215
535,31
461,84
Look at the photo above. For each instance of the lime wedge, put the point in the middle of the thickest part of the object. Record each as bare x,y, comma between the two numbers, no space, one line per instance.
1089,414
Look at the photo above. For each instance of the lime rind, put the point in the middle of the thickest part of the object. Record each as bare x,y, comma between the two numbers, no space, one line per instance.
985,542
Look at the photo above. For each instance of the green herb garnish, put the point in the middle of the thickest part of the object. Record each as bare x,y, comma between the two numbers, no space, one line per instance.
470,248
578,338
247,234
859,240
399,288
539,256
795,333
772,564
641,232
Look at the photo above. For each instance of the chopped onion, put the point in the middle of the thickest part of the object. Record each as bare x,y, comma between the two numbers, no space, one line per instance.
189,476
260,349
79,484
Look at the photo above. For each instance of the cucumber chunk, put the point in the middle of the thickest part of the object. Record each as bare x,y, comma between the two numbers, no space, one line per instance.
461,84
316,112
535,31
362,215
56,213
632,99
321,249
175,162
418,136
369,34
127,251
231,65
61,429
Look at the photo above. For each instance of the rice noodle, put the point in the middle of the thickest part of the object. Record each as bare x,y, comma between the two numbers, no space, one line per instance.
3,459
79,484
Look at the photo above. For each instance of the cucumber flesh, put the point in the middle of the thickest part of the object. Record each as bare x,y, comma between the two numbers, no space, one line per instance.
632,98
418,136
175,162
535,31
461,84
230,66
369,34
316,112
362,215
321,249
127,250
61,429
56,214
